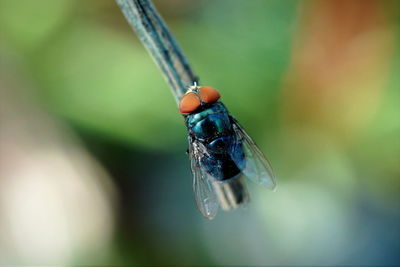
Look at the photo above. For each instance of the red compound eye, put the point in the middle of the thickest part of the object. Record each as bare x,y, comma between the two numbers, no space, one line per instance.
189,103
209,94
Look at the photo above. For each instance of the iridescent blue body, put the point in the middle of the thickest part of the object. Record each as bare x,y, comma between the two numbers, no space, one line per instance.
212,127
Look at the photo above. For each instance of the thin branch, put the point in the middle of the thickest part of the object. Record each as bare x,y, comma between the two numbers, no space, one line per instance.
158,40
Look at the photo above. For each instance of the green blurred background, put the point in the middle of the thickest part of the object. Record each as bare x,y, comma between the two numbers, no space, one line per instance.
93,167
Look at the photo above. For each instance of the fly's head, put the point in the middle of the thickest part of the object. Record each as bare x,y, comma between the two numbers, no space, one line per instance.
197,98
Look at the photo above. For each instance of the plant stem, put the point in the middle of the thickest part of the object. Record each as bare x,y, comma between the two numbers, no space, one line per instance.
158,40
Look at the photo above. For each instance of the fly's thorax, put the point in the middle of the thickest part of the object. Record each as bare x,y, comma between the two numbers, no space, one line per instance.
209,123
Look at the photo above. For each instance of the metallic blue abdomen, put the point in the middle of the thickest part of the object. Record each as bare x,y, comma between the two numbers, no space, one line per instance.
213,128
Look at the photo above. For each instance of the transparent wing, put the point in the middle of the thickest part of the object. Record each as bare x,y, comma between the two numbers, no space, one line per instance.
204,194
256,167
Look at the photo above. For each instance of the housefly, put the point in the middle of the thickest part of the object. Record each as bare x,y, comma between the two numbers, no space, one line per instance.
221,153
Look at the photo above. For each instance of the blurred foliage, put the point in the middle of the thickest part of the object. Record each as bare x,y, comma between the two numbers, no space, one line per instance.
317,85
77,52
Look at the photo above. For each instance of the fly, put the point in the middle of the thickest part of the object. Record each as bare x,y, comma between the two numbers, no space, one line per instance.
221,153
